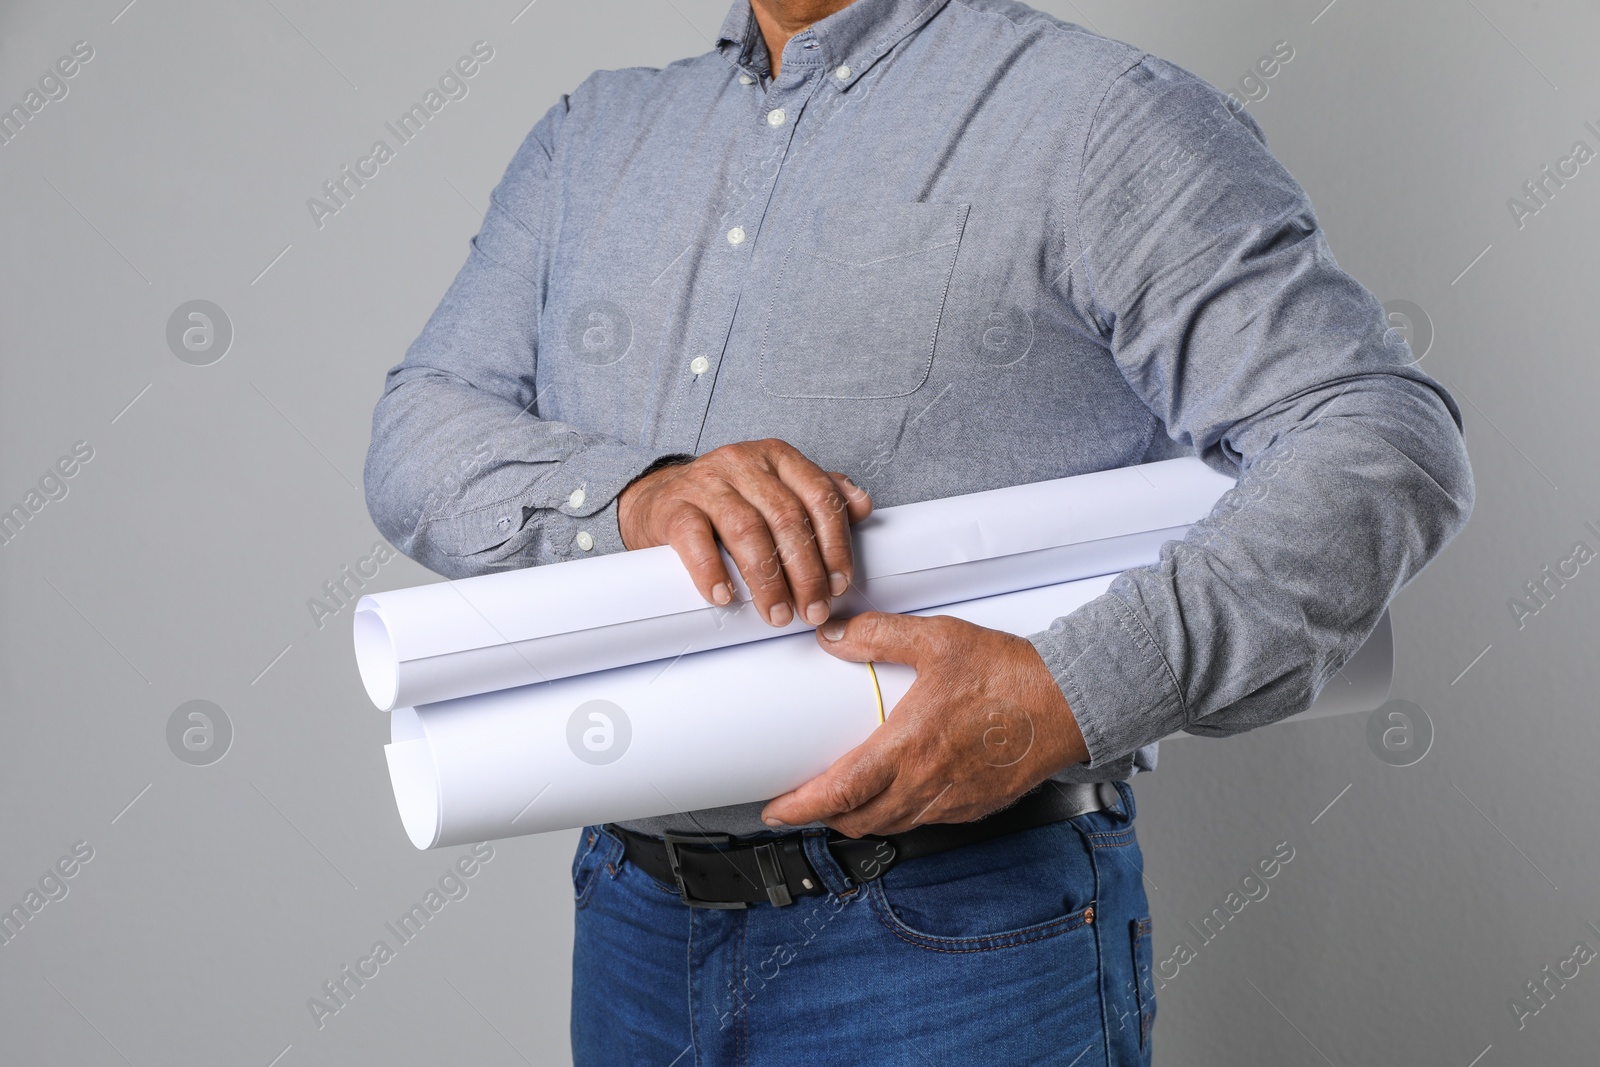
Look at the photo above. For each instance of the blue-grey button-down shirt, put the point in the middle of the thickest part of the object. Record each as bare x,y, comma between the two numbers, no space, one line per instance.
954,245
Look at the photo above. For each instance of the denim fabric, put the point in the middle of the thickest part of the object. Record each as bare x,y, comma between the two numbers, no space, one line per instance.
987,953
955,245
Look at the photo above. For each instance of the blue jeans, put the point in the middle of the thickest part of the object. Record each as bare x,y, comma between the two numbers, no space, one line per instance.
1030,948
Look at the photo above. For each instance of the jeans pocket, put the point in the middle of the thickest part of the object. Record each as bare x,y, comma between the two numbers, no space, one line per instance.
594,850
855,306
1144,978
1006,891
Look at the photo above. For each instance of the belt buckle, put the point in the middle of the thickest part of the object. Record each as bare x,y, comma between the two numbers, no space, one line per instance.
672,841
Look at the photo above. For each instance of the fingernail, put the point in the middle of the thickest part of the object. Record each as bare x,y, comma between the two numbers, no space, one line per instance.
780,615
721,593
837,584
770,821
833,631
817,613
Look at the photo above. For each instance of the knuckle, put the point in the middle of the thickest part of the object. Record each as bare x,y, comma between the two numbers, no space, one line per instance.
800,562
795,564
680,481
834,506
870,627
736,458
767,571
683,524
840,795
763,453
849,826
743,525
700,556
942,633
791,521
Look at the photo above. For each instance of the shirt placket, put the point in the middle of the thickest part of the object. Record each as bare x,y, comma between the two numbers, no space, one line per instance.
770,133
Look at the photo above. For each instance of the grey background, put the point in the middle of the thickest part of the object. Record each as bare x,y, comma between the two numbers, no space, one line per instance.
178,567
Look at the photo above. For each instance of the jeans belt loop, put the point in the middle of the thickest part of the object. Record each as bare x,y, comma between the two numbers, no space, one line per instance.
772,874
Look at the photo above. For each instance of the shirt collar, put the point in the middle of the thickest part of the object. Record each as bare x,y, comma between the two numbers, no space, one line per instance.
852,38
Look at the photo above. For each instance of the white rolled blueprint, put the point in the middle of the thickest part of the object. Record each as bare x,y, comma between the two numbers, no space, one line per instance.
711,728
477,635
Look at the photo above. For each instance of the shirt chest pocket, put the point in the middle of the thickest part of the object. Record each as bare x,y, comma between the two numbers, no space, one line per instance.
854,309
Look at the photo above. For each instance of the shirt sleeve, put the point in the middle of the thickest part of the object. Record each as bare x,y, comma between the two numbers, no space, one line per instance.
462,473
1203,268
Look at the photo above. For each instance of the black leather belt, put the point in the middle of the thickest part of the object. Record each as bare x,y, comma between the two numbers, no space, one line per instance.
720,871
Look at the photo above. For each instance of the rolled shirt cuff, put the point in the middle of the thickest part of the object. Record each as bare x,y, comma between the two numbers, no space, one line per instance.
580,500
1119,687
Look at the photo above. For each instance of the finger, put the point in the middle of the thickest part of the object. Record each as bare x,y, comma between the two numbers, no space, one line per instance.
829,509
790,523
859,503
690,534
878,636
898,808
744,533
854,779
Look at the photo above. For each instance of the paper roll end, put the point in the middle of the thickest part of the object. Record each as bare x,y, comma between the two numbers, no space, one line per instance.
376,658
416,790
1365,681
1381,658
406,725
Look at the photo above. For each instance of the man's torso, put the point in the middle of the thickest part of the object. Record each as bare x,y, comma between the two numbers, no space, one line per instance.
881,275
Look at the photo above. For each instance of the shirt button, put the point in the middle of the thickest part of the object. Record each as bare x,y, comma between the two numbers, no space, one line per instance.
699,364
775,117
745,79
585,541
576,499
736,235
843,72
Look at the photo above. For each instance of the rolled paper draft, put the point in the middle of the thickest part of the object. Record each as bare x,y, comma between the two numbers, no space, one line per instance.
725,726
498,631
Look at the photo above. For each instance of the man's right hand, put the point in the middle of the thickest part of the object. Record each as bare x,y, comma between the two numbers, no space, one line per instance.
784,520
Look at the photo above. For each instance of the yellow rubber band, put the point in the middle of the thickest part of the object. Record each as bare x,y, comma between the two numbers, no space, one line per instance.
877,692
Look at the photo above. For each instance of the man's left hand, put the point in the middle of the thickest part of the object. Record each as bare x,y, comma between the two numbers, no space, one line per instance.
982,724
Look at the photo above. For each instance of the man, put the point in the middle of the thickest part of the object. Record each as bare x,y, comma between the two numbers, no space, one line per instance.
875,252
